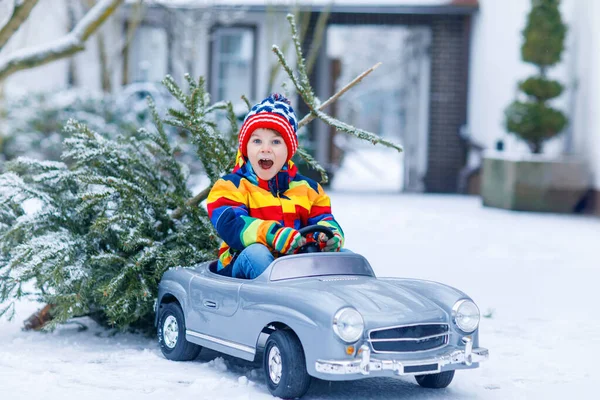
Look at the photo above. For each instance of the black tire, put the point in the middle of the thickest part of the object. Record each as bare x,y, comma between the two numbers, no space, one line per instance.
435,381
175,349
294,381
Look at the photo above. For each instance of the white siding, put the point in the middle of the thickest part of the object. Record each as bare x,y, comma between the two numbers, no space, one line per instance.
586,67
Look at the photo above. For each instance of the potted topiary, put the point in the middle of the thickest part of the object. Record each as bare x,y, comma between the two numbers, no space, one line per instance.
536,182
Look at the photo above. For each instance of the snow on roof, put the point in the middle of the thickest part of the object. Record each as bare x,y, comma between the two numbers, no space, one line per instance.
336,4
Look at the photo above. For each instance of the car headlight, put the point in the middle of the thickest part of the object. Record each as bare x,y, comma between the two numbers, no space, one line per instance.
348,324
466,315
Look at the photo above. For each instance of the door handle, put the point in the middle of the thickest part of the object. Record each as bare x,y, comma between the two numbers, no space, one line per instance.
210,304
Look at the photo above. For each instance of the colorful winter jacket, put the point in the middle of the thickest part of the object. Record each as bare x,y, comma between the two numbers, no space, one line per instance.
246,209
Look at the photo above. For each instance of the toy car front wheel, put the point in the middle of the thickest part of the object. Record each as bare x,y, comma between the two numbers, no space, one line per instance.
435,381
285,365
171,335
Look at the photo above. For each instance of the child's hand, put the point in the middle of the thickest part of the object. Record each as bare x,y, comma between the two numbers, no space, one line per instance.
287,240
333,244
298,242
322,237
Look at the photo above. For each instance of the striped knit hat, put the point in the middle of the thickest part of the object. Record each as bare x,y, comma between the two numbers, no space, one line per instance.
276,113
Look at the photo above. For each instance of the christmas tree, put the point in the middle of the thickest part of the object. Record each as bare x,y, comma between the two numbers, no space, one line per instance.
534,120
116,213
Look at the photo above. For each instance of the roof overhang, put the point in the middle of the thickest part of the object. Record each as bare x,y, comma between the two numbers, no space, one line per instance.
337,6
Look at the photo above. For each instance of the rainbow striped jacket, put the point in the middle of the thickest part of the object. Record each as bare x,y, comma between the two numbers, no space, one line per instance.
245,209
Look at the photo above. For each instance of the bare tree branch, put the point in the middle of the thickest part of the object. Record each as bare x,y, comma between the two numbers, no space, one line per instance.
20,14
68,45
310,117
193,202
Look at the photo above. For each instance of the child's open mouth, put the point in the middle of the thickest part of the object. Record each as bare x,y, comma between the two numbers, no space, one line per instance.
265,164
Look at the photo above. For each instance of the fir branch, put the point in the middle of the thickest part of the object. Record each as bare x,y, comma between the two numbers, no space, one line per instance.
295,80
247,102
9,310
233,121
222,105
309,117
174,89
356,132
193,202
314,164
15,189
305,89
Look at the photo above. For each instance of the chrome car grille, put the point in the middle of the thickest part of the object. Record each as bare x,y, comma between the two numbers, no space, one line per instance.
409,338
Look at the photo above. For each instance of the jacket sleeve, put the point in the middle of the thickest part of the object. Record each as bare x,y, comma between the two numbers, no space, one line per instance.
228,212
320,212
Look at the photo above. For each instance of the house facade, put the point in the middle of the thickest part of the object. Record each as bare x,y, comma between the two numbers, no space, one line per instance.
471,69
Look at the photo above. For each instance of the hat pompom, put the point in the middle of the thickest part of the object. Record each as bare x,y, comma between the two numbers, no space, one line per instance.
280,97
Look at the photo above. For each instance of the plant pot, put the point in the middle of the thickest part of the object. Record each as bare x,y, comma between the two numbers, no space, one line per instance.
534,182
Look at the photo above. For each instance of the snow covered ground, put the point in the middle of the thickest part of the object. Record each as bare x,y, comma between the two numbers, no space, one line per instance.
534,274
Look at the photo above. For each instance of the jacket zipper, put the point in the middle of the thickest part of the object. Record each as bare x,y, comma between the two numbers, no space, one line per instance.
279,198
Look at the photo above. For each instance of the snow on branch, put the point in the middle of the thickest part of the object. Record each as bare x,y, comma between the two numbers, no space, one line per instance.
68,45
310,117
20,13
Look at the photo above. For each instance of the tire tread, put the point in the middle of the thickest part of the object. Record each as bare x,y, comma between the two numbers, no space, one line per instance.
295,380
183,350
435,381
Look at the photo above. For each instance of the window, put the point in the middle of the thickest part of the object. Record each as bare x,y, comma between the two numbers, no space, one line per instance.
232,69
148,57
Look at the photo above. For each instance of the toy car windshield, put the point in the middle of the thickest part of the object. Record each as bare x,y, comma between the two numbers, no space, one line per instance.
319,264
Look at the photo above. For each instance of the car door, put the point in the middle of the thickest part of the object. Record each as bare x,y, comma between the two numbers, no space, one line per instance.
214,300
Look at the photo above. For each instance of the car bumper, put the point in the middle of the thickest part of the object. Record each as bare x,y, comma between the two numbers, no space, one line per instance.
365,365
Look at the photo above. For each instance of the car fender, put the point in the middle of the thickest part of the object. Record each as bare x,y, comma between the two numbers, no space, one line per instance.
307,334
309,329
282,313
444,296
169,287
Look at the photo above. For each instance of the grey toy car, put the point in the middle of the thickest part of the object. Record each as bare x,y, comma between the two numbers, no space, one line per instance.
323,315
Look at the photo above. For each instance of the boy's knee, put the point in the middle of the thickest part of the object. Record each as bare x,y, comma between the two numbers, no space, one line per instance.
257,249
252,261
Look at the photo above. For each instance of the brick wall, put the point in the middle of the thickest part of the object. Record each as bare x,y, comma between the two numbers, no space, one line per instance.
447,102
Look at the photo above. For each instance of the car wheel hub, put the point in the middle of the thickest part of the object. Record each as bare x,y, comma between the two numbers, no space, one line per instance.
170,331
275,365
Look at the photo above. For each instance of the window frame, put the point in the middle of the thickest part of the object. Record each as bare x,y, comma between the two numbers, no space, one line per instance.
128,67
213,69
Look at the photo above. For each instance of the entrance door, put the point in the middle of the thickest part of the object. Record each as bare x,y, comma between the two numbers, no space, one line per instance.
392,102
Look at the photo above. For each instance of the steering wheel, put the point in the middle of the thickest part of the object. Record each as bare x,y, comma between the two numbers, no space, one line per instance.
313,247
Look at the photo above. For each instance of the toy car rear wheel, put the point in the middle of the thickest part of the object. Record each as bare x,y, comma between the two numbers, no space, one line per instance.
435,381
285,366
171,334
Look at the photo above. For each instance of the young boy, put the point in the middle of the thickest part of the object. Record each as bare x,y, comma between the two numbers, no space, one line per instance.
259,207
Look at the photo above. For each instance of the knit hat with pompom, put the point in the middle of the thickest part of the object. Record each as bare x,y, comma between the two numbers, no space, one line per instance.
276,113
